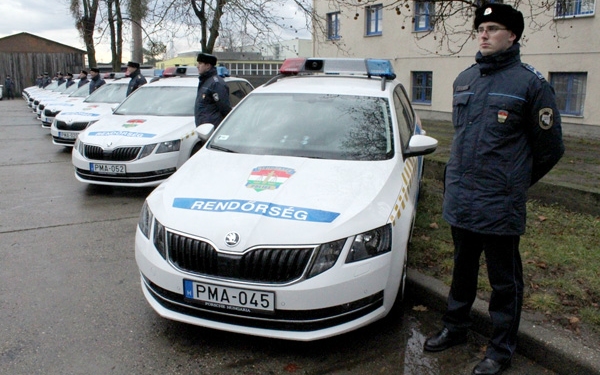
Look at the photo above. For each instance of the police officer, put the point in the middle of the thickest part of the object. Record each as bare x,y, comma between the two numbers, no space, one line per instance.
38,80
96,80
60,78
83,79
507,136
137,79
46,80
212,99
9,85
69,79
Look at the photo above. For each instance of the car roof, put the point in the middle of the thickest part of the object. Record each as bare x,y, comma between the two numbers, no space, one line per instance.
187,81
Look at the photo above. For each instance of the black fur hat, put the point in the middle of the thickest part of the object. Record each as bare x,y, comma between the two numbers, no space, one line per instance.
502,14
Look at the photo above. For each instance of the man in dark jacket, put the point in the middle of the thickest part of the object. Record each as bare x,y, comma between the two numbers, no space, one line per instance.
46,80
70,79
9,86
83,79
507,136
137,79
212,99
96,80
60,78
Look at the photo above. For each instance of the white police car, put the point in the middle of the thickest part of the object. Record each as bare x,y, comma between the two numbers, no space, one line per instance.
67,125
293,221
49,110
149,136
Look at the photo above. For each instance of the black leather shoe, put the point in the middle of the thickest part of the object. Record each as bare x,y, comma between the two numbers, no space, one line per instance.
444,340
490,367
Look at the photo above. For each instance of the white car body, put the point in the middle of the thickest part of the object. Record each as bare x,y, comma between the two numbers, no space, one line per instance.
67,125
138,149
48,109
296,240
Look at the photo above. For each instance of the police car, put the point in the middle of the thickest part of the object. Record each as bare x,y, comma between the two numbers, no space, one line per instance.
148,137
51,109
293,221
67,124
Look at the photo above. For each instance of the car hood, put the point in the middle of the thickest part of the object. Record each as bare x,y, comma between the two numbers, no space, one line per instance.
85,112
276,200
138,130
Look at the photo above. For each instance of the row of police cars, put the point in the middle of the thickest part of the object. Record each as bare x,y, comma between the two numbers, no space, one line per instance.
291,220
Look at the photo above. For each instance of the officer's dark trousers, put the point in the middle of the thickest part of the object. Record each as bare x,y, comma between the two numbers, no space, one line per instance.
505,272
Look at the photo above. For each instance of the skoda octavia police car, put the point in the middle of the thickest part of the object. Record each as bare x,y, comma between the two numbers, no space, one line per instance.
293,221
149,136
67,124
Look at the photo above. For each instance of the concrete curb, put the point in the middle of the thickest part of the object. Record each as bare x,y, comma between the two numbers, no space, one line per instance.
551,349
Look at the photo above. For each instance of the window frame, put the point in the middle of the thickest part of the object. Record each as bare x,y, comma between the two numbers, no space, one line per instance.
374,13
422,81
333,26
573,9
423,9
571,93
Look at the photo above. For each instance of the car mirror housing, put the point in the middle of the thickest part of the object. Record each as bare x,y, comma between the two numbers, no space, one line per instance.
205,130
420,145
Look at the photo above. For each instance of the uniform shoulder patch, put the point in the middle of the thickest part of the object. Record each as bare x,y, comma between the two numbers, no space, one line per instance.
534,71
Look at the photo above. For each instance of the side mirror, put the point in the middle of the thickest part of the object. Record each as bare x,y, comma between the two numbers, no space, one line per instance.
420,145
205,130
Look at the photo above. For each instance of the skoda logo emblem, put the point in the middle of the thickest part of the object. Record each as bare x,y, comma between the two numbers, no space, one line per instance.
109,144
232,239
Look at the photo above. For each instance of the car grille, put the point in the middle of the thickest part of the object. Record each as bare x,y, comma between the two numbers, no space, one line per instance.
118,154
262,265
41,107
50,113
61,125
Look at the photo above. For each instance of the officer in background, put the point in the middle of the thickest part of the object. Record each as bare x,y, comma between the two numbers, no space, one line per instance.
46,80
60,78
70,79
9,85
507,136
83,79
137,79
96,80
212,99
38,80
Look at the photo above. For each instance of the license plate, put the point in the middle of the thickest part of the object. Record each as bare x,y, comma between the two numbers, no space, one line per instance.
227,298
67,135
108,168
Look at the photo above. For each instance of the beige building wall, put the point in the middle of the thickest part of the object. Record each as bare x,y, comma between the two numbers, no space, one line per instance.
562,45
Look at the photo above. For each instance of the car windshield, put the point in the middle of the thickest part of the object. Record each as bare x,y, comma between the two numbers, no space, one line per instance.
81,92
108,94
160,101
341,127
71,89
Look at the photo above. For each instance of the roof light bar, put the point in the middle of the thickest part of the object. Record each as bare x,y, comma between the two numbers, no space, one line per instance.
339,66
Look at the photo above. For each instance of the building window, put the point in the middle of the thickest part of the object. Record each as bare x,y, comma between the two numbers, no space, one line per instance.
333,25
570,92
424,12
374,19
422,87
567,8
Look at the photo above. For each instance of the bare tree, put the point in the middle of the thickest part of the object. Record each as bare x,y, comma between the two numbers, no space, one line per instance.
137,12
115,22
84,12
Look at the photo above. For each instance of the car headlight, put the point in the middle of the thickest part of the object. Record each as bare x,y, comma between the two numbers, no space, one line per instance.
159,239
371,244
147,150
168,146
145,221
76,145
327,255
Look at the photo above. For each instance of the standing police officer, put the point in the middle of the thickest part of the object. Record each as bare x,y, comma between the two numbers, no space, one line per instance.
137,79
212,99
9,85
507,136
46,80
70,79
60,78
96,80
83,79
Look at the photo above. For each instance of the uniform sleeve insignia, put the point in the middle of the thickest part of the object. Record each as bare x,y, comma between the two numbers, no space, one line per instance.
534,71
215,97
546,118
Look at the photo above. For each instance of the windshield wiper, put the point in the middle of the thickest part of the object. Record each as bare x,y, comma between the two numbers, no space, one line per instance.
222,149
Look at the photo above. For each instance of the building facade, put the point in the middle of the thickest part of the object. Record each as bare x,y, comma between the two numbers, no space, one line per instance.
428,54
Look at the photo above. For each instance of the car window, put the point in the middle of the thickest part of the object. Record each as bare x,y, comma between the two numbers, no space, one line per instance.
403,117
108,94
160,101
81,92
342,127
237,91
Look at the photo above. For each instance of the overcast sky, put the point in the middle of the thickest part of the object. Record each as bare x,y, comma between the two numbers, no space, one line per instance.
51,19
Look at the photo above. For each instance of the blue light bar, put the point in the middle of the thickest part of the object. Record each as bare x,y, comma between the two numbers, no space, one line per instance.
380,68
339,66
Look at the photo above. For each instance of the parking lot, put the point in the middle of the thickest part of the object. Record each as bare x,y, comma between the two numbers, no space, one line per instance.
71,303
